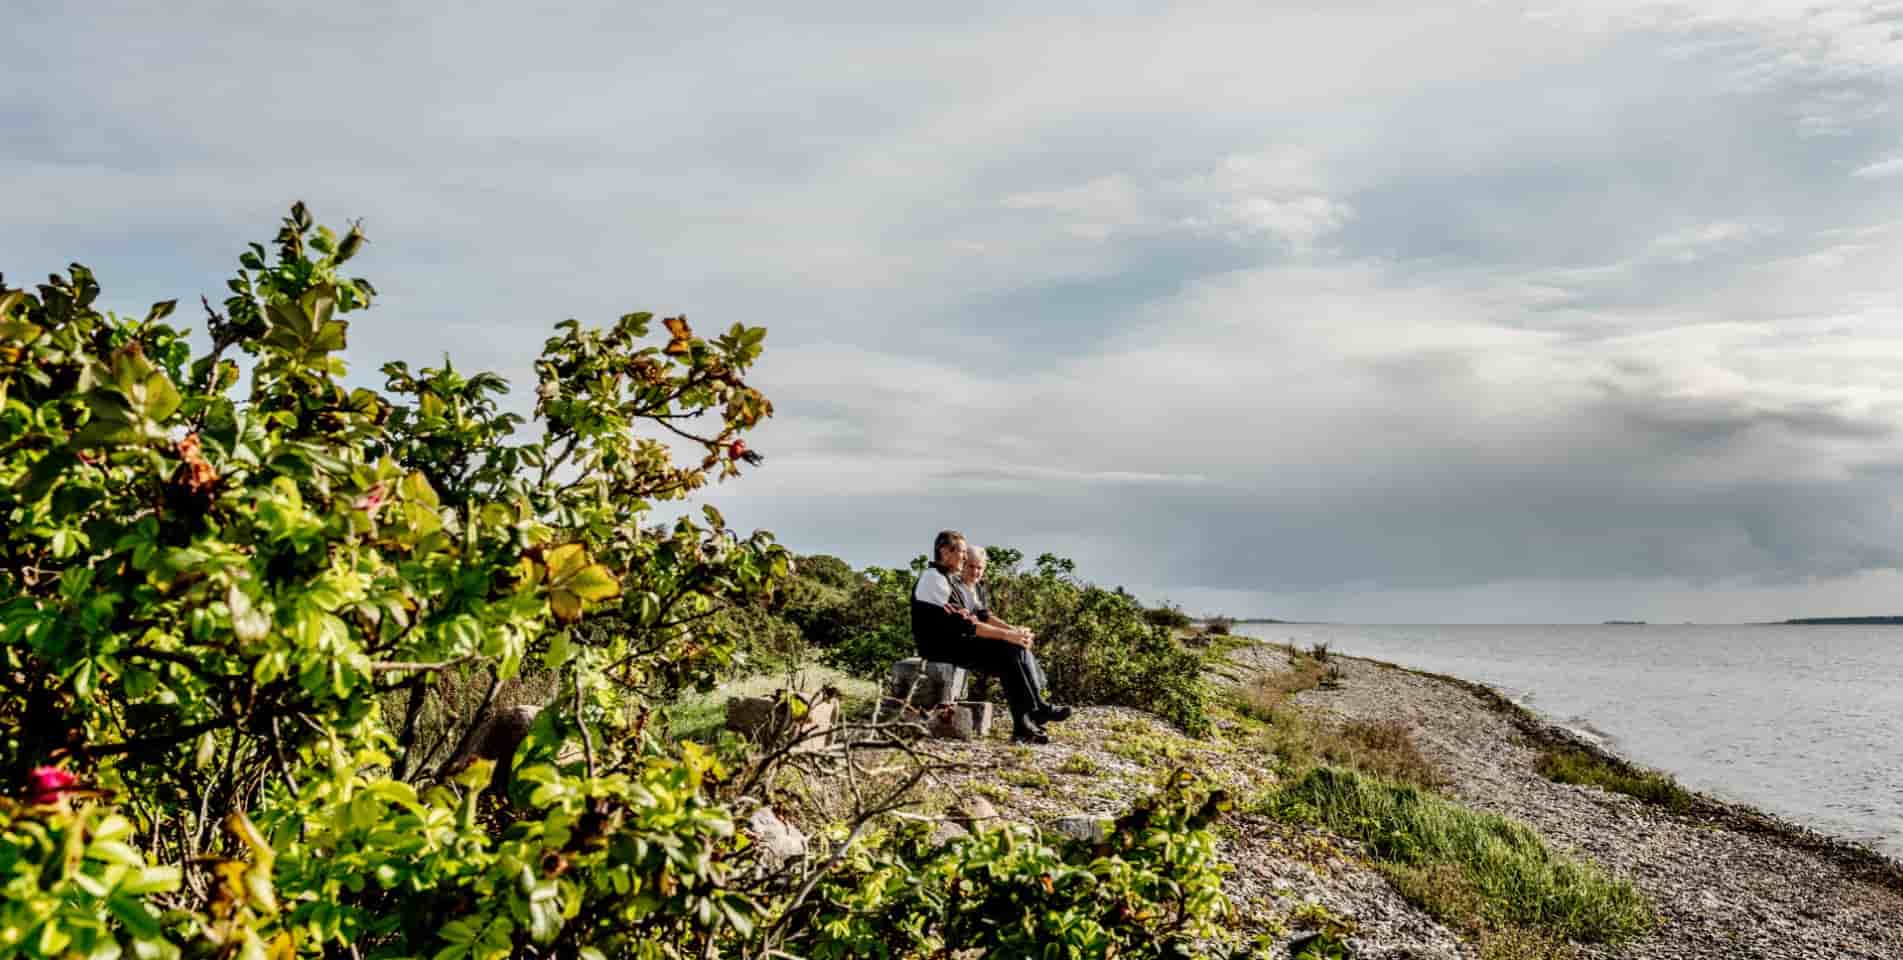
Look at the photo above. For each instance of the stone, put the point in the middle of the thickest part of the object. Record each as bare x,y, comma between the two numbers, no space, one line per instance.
974,813
747,715
982,713
816,728
945,832
949,721
753,716
941,682
1082,827
496,738
781,840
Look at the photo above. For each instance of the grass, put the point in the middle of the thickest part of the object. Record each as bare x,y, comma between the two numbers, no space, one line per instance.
1570,765
1477,870
1079,765
1031,779
701,716
1384,749
1269,693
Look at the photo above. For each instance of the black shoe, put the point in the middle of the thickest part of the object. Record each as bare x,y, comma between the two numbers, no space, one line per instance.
1029,734
1051,713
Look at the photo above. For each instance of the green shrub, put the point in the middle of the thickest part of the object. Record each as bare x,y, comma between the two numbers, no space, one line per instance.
1148,891
1097,647
1510,876
1218,626
247,614
1171,616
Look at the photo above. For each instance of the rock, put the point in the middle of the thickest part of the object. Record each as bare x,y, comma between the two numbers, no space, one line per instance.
754,717
941,683
950,722
974,813
816,728
748,715
982,713
1084,827
946,831
781,840
496,738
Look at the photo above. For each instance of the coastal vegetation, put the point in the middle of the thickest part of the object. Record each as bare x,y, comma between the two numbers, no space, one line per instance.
1573,765
254,624
1473,868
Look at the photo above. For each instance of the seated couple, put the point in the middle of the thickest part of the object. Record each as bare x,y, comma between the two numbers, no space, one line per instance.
952,623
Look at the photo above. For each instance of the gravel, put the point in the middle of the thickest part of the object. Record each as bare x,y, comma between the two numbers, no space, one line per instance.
1729,882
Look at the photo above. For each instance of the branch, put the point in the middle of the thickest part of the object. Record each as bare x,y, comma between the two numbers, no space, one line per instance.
174,738
587,739
409,666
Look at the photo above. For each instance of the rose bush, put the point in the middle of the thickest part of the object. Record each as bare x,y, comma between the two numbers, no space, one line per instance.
249,614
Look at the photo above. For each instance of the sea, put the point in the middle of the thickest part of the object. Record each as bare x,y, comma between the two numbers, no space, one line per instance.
1802,721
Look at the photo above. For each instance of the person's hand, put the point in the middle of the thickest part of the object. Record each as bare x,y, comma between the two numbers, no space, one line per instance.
1026,639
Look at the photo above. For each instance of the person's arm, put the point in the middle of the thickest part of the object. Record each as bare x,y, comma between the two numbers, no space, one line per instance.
991,631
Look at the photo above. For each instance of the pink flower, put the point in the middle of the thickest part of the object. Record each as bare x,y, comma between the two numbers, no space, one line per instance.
371,499
45,785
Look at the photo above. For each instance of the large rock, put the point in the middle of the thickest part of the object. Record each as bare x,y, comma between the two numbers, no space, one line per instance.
974,813
944,832
949,722
1085,827
940,683
981,712
496,738
781,840
747,716
964,720
755,717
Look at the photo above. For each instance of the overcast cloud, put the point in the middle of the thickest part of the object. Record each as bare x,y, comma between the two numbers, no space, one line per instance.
1481,312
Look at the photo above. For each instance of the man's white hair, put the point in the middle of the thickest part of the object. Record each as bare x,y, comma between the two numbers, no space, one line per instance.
976,550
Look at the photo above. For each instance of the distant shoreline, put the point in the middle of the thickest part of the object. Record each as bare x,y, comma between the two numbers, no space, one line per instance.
1844,622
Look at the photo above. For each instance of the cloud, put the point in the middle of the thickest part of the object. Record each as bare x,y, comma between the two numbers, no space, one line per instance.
1886,167
1421,312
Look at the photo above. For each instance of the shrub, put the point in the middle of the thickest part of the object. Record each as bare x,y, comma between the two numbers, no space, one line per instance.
1148,891
1218,625
245,615
1096,645
1170,616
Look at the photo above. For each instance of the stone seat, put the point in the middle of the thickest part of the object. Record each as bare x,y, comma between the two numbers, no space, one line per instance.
920,689
927,683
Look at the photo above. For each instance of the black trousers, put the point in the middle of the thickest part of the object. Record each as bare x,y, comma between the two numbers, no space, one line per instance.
1010,663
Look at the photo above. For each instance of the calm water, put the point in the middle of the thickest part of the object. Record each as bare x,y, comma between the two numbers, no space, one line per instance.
1806,722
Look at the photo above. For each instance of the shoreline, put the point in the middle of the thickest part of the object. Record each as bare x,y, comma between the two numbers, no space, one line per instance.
1732,814
1727,880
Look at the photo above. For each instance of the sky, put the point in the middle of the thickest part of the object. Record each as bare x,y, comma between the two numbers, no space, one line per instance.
1458,312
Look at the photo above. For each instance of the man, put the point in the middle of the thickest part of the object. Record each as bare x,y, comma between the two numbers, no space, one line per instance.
977,601
947,633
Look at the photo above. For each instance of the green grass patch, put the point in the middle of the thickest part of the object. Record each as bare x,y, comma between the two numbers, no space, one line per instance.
1569,765
1476,870
701,716
1079,765
1031,779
